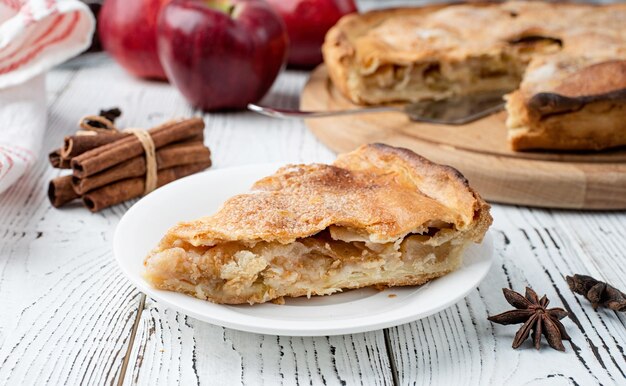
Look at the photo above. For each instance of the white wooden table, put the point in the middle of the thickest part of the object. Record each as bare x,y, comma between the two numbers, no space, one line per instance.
68,316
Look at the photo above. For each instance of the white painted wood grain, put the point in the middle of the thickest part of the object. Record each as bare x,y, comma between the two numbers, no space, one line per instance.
535,248
176,349
78,328
66,311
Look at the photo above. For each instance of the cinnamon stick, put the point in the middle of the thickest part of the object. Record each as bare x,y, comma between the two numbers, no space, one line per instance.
166,157
127,189
60,191
57,161
114,153
75,145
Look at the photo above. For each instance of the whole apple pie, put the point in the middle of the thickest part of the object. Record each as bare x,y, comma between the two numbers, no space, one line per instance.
379,216
564,65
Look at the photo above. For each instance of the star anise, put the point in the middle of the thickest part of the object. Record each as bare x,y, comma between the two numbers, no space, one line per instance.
111,114
597,292
535,315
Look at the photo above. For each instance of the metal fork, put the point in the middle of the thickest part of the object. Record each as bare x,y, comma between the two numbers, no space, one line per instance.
457,110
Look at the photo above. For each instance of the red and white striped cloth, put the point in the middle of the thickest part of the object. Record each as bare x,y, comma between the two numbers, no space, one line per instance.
35,35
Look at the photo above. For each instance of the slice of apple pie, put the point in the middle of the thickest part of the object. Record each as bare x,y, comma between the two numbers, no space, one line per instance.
378,216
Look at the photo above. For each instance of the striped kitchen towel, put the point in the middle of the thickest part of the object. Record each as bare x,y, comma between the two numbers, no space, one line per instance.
35,35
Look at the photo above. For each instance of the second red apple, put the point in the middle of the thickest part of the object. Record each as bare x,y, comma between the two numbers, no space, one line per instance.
127,30
307,23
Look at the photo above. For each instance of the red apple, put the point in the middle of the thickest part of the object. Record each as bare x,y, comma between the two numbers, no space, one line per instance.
127,29
221,54
307,23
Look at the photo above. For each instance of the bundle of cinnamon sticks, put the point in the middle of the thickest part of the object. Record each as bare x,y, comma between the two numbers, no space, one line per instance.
110,166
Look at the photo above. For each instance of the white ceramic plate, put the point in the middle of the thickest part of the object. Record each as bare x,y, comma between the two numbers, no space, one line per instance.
146,222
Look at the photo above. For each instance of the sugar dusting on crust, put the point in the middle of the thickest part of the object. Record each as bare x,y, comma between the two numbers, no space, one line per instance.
384,191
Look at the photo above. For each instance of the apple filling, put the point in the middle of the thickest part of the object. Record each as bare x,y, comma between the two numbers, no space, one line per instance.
336,258
394,82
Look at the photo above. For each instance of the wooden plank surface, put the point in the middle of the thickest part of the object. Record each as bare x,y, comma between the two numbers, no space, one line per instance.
176,349
533,248
76,322
68,314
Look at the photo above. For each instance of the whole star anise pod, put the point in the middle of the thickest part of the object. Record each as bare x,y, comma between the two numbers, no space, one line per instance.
535,315
597,292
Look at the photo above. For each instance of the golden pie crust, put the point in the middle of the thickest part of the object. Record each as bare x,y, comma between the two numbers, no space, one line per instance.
378,216
566,64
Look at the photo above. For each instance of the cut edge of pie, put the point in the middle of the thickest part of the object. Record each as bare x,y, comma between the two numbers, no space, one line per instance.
379,216
587,111
549,71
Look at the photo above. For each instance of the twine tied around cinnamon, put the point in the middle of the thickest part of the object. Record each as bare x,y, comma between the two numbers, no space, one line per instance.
151,165
88,128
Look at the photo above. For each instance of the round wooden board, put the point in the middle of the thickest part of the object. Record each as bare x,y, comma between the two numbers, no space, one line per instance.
480,151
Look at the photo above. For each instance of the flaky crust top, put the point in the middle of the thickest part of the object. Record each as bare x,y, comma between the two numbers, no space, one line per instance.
458,31
378,191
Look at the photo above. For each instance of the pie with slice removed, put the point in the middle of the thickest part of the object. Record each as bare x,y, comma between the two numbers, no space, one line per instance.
378,216
564,65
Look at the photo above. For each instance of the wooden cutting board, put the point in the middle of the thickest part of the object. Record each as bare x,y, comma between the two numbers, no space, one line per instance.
480,151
